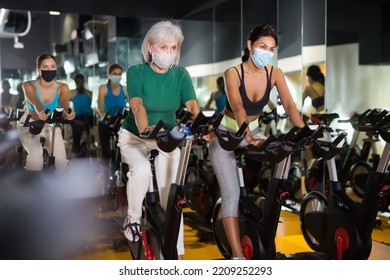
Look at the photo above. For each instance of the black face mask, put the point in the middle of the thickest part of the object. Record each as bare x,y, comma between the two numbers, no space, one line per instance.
48,75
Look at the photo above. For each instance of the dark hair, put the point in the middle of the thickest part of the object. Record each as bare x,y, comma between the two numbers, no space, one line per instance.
79,80
258,31
112,67
220,83
314,72
44,56
5,82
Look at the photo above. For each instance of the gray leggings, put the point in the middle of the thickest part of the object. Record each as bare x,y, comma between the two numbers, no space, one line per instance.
225,168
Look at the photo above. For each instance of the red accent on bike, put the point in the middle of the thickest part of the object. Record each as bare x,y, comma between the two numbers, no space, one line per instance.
385,190
342,242
284,196
247,247
181,203
314,119
149,253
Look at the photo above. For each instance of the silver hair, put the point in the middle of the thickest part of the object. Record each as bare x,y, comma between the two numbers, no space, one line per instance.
163,31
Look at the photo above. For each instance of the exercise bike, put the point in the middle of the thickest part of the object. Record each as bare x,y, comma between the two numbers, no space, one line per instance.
335,224
296,171
115,190
358,162
201,185
56,119
160,229
258,222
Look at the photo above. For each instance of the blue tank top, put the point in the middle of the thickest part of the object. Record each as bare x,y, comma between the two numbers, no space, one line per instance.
252,108
112,103
220,102
55,103
82,104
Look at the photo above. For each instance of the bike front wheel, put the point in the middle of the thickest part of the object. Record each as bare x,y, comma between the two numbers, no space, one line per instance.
313,203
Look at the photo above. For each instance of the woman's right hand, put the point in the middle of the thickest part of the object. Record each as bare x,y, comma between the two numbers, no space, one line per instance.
255,141
43,116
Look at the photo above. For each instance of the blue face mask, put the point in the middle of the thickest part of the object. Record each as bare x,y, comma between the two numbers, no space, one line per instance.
261,57
116,79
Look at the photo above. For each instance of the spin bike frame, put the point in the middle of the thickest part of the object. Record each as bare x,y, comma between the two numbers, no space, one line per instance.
258,224
340,227
160,230
55,119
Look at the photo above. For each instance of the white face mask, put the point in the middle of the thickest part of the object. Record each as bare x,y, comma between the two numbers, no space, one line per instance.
116,79
261,57
163,60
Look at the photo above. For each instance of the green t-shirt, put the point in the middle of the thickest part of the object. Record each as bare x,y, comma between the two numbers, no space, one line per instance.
160,93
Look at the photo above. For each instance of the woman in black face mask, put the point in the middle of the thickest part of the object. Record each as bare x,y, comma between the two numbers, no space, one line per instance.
41,94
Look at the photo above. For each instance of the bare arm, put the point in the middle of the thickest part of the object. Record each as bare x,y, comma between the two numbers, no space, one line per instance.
211,99
100,101
64,95
286,98
192,106
139,112
30,96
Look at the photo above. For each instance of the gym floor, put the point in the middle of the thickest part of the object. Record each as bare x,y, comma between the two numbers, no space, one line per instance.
199,244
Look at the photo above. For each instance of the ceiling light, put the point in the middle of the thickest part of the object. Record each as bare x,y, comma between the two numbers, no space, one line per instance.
54,13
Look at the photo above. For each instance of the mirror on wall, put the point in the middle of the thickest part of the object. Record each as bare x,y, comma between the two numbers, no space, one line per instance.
89,43
302,35
313,55
289,60
347,40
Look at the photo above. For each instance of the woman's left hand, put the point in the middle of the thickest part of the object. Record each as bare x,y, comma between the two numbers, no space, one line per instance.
257,141
209,137
70,116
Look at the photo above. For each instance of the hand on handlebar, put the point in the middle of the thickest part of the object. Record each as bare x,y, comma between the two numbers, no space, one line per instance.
149,129
70,115
42,115
210,137
257,142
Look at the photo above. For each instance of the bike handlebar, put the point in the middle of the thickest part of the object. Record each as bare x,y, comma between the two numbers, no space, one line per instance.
371,120
203,124
56,117
327,149
114,122
277,149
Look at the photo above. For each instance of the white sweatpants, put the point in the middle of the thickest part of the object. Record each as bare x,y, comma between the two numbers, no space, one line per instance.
135,152
32,145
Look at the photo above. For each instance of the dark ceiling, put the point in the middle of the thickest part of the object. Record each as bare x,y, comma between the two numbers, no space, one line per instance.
176,9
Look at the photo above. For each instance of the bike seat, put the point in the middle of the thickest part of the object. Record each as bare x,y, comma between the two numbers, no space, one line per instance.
324,118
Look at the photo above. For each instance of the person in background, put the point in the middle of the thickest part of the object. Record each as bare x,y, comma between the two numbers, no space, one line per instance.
20,97
218,96
41,94
248,86
82,99
156,89
5,97
316,88
112,98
